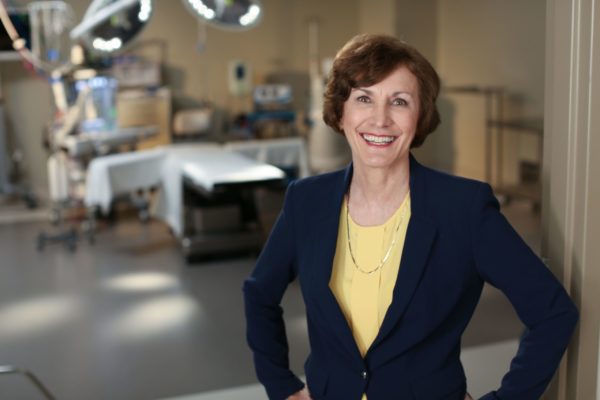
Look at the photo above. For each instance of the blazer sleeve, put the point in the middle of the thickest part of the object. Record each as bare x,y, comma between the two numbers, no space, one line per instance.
506,262
263,291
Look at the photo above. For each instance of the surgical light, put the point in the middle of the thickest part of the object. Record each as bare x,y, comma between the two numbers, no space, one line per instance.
109,25
107,45
250,16
202,9
228,14
145,10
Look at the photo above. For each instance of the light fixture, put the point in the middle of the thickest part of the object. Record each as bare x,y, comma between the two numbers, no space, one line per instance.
228,14
109,25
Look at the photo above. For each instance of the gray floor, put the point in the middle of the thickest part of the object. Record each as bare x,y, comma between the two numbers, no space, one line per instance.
128,319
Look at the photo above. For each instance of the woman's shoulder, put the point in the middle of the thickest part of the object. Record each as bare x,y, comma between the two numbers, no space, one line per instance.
443,189
447,180
451,200
314,192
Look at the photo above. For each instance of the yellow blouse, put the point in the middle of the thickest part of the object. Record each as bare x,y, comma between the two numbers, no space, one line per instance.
365,298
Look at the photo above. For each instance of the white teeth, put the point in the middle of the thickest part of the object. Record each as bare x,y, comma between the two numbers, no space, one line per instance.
378,139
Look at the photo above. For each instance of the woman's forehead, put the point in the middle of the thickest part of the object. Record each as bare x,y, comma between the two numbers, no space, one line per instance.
400,80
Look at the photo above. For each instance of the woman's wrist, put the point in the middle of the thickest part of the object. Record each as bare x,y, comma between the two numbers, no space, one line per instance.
300,395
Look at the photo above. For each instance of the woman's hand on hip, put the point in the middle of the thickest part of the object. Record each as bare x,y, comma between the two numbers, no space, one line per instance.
301,395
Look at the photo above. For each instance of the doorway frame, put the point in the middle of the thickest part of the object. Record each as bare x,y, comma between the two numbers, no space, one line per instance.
571,182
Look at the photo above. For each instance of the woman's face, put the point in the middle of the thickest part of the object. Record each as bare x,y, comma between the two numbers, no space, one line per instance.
380,121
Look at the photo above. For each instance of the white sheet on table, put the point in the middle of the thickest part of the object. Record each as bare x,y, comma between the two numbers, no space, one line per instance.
282,152
206,164
218,166
169,202
117,174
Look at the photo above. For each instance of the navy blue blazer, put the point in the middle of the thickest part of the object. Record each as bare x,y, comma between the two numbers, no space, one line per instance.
456,240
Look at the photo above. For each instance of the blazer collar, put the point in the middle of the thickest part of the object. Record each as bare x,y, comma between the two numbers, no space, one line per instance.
419,239
420,236
341,184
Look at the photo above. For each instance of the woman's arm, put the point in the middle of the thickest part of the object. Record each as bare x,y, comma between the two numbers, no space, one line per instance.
506,262
263,291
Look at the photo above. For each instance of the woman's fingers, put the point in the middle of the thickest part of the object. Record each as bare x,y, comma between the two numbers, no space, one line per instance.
300,395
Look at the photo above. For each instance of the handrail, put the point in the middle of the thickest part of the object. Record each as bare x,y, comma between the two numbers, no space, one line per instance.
7,369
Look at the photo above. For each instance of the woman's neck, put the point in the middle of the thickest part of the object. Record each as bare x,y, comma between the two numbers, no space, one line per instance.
376,193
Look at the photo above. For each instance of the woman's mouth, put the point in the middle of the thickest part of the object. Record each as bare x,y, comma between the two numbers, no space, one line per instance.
377,140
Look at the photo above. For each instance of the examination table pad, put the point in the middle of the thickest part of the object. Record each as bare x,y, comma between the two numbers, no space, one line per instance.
123,173
282,152
206,166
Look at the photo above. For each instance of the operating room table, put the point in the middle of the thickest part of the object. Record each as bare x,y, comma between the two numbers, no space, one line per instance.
203,180
219,185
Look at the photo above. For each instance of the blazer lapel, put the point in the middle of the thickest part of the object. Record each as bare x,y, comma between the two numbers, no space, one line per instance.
323,248
420,237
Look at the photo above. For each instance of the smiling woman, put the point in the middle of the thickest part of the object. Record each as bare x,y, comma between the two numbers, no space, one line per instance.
380,120
365,61
392,256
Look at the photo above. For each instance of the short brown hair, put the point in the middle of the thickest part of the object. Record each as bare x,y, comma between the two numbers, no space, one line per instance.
368,59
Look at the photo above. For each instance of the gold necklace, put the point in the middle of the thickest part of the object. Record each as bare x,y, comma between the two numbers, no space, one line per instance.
389,250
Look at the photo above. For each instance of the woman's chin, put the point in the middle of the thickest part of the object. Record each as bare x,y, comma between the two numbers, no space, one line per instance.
376,163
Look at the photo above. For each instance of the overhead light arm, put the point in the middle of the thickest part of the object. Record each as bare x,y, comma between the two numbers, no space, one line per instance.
96,14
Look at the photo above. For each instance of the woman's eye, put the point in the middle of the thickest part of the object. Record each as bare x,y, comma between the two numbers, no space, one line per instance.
399,102
363,99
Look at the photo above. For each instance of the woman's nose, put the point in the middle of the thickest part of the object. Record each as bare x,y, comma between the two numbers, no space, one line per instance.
381,115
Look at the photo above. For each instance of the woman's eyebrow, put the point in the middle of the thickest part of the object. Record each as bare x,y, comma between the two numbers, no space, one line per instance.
367,91
370,92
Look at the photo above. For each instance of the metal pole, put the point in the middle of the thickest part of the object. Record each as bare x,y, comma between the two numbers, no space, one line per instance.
488,136
500,136
7,369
